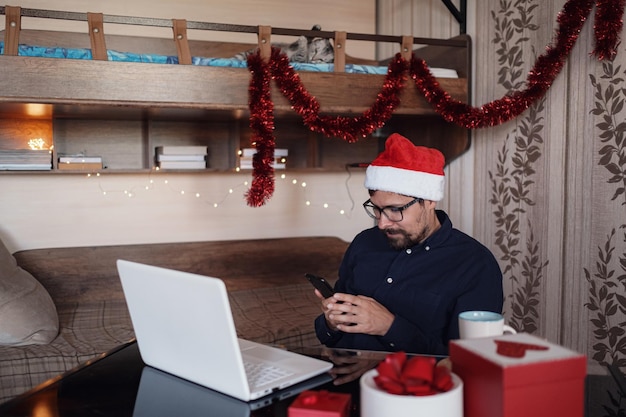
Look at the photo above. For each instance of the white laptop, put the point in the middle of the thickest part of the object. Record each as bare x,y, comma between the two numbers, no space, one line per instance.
184,326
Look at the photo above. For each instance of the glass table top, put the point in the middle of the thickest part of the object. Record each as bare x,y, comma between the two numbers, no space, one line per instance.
120,384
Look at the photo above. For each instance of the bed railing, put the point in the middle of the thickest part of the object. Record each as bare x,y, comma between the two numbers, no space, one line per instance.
96,30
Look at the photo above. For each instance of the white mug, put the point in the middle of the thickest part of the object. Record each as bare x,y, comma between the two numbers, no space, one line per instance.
473,324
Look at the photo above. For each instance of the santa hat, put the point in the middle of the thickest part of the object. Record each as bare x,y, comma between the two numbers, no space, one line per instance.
404,168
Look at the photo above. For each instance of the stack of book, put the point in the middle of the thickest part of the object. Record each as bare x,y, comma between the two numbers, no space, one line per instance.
280,158
25,160
181,157
80,163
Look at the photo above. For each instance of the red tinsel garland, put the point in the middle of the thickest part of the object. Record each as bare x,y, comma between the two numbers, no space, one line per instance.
608,25
540,78
307,106
262,125
349,129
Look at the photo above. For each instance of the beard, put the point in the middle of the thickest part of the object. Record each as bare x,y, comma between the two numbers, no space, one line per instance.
400,239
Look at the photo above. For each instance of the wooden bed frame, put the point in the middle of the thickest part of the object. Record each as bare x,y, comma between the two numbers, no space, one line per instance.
100,89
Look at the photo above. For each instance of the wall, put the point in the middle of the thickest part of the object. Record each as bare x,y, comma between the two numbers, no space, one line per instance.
73,210
70,210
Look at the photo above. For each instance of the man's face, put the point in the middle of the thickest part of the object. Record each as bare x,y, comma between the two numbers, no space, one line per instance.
418,221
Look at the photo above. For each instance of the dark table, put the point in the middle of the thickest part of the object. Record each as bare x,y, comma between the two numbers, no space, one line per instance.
119,384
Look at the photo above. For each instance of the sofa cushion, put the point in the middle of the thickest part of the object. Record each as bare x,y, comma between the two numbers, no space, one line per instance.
28,314
87,330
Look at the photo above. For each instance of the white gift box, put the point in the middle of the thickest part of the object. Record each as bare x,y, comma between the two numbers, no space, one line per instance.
376,402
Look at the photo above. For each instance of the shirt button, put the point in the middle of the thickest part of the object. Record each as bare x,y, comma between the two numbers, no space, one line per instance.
408,251
389,280
392,344
427,248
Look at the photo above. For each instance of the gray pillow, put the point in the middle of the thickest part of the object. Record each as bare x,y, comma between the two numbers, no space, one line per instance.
28,315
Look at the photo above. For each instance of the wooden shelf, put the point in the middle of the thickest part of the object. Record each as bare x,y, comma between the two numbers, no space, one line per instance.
65,83
122,111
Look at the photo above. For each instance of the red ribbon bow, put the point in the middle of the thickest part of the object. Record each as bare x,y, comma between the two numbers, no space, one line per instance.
418,375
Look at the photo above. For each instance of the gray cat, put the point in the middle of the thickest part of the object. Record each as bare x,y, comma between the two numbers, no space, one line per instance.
310,50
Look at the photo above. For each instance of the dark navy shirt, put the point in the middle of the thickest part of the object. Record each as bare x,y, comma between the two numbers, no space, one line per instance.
425,287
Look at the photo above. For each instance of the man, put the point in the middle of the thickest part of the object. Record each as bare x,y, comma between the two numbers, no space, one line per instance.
403,283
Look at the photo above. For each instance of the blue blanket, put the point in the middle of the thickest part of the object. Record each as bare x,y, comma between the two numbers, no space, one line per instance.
85,53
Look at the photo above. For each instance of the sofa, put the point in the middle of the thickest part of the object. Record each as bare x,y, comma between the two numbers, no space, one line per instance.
78,291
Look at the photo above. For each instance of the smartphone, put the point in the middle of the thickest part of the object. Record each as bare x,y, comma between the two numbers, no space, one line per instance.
321,285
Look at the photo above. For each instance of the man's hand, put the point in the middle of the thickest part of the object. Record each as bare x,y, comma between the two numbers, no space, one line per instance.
324,302
356,314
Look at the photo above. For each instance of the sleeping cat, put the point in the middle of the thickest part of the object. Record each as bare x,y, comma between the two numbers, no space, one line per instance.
314,51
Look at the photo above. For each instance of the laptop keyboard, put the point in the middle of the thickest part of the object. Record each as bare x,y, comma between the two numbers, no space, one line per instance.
264,373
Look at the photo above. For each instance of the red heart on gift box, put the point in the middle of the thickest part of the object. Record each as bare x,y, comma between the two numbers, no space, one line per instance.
516,349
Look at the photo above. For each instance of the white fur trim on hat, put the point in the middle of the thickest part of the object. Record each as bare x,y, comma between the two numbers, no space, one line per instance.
403,181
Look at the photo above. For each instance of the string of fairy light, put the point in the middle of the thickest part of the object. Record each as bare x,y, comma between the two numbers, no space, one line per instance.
160,178
38,144
156,179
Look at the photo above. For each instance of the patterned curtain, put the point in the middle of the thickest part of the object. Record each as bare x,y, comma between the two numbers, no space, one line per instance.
545,191
550,186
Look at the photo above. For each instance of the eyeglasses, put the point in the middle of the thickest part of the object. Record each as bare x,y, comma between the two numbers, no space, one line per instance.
394,214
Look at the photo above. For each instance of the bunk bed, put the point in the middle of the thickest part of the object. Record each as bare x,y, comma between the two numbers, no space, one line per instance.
96,75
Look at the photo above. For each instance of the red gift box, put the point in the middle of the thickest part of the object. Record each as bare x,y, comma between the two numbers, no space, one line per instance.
519,375
320,404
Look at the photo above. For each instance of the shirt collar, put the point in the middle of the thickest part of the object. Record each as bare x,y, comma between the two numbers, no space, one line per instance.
441,234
